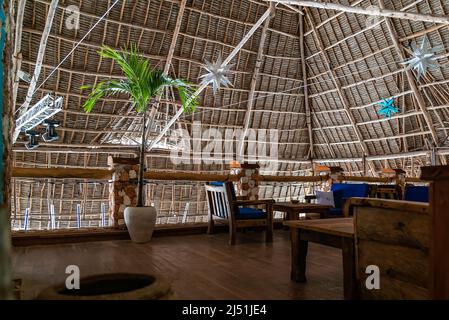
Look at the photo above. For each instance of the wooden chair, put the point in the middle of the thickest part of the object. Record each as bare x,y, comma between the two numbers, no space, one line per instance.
223,204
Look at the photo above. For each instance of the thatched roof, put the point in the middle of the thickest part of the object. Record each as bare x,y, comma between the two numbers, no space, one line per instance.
351,64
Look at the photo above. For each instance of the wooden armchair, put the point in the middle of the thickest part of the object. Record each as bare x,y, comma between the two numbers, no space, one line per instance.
223,204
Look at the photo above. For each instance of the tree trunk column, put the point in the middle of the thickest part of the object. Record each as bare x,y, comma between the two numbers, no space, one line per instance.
122,189
6,127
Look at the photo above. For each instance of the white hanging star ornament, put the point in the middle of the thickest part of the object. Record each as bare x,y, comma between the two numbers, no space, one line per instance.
216,74
423,58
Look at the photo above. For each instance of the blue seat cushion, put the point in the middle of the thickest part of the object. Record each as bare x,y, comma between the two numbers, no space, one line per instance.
348,190
335,211
417,193
338,199
250,213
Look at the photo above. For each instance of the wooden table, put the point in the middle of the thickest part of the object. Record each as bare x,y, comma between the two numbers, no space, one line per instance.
337,233
294,209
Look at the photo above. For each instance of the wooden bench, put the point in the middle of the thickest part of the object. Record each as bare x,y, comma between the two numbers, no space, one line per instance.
394,236
224,205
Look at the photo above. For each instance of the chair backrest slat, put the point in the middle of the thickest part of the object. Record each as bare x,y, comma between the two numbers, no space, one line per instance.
218,201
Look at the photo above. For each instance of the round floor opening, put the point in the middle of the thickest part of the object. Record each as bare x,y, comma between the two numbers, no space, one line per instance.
109,284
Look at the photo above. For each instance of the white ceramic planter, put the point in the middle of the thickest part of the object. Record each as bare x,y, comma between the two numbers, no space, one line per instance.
140,223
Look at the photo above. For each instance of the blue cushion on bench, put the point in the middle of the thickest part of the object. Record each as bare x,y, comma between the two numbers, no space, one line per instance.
417,193
348,190
335,211
251,213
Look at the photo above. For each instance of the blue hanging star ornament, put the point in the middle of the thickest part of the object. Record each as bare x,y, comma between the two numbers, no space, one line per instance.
423,58
387,108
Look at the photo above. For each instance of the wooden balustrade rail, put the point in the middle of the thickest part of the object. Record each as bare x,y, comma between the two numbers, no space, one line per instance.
104,174
62,173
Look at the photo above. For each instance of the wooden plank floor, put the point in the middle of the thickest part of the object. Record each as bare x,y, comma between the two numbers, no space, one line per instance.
198,266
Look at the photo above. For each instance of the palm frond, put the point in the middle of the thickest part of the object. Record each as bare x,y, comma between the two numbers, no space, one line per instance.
141,84
104,89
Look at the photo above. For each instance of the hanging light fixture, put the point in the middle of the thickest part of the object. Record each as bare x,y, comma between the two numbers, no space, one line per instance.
32,142
217,74
44,109
423,58
50,133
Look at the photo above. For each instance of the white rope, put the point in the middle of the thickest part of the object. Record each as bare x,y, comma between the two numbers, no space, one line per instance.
76,46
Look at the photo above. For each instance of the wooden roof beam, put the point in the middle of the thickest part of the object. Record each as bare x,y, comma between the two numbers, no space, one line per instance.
171,50
343,98
204,86
410,78
40,54
307,110
174,39
382,12
17,55
252,90
162,154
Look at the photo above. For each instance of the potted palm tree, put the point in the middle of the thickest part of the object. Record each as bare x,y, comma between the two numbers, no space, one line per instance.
142,85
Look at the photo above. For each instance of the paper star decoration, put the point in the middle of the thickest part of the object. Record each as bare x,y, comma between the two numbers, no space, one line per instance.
216,74
423,58
388,108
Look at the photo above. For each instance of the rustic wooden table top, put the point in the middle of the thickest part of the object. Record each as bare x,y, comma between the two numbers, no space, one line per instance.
299,206
343,227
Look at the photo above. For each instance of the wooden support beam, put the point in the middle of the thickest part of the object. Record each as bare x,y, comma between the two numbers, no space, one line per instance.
252,90
40,54
382,12
268,178
439,226
296,9
204,86
307,111
341,95
104,174
187,176
17,55
60,173
171,49
410,78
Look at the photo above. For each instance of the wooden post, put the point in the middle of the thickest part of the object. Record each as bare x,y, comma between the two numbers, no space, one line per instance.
5,148
433,157
439,230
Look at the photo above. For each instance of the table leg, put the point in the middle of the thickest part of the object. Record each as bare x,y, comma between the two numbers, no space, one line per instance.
299,255
349,269
291,215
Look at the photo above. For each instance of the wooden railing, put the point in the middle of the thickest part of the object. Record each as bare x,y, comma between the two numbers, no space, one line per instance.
104,174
